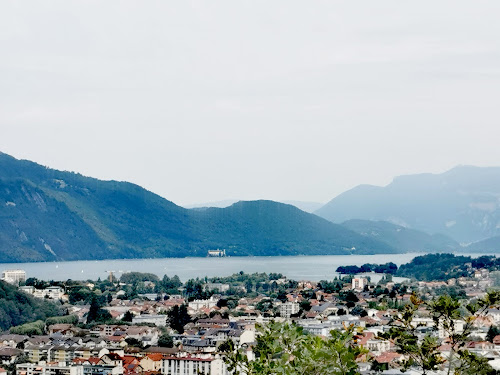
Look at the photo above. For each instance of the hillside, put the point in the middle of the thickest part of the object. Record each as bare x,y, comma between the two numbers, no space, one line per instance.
461,203
401,238
18,308
301,205
489,245
53,215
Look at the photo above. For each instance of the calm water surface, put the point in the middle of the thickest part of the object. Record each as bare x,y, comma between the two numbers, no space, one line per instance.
312,268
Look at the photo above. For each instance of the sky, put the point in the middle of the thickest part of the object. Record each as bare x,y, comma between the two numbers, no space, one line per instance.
202,101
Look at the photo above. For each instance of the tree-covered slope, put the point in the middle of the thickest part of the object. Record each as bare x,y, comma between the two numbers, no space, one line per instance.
53,215
401,238
247,227
461,203
18,308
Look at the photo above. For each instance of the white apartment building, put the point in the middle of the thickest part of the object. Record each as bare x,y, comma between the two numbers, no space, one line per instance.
198,304
358,283
62,368
157,320
287,309
52,292
14,276
193,366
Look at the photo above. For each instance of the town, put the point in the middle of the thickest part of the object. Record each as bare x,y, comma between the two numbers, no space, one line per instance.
142,324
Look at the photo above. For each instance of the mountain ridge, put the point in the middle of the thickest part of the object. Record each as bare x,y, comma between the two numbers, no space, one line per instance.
461,203
55,215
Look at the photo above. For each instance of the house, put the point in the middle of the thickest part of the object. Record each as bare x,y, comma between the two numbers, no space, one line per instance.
63,329
12,340
131,365
9,355
151,362
111,359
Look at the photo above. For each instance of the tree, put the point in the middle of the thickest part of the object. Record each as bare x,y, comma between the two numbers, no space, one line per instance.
285,349
96,314
94,307
131,341
178,317
305,305
127,317
424,352
492,332
166,341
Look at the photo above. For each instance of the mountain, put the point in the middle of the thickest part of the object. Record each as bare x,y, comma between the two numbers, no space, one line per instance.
301,205
47,215
489,245
401,238
462,203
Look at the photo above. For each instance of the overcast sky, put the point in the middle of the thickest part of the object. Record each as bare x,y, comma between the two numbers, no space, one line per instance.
202,101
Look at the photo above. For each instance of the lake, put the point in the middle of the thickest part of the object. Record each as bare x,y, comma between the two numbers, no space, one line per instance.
312,268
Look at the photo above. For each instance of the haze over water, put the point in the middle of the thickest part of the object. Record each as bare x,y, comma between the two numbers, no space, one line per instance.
312,268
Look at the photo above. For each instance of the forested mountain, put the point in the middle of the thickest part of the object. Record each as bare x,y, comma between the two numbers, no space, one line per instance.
47,214
401,238
461,203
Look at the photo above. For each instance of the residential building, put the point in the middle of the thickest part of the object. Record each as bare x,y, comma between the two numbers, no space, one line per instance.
358,283
288,309
193,366
14,276
158,320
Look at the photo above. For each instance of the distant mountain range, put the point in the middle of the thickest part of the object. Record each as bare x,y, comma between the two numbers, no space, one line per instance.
48,215
463,204
304,206
401,238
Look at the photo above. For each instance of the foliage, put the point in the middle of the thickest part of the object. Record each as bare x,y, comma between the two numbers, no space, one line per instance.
127,317
492,332
285,349
17,308
377,268
169,285
424,352
166,341
96,313
132,341
431,267
30,329
178,317
334,286
65,319
136,277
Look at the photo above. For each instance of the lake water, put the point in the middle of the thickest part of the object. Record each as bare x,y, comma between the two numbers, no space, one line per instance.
312,268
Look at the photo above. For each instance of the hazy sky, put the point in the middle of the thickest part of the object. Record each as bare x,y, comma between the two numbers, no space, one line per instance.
201,101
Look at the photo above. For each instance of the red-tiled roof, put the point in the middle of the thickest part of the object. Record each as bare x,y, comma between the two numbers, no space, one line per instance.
155,356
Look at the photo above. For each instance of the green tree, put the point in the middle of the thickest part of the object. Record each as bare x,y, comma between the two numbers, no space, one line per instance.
166,341
424,353
492,332
178,317
285,349
94,308
127,317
